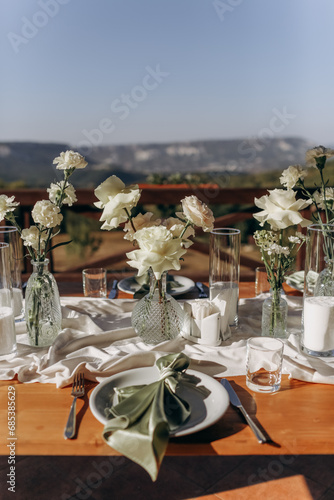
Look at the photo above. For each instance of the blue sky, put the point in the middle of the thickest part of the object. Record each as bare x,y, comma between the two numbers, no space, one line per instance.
130,71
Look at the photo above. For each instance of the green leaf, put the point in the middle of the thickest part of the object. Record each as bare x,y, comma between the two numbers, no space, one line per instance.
59,245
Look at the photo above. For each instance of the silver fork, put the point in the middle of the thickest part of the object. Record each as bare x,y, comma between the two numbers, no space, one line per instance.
202,293
78,391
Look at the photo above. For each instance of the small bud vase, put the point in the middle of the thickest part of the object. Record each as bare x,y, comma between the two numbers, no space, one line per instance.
275,315
42,306
157,316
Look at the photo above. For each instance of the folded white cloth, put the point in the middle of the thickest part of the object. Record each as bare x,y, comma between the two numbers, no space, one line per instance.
98,339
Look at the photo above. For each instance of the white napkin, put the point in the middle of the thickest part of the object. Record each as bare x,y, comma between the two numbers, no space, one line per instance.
97,338
206,321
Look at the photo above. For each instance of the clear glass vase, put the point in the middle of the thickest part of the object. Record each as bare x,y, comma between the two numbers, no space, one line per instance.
275,315
42,306
157,316
324,285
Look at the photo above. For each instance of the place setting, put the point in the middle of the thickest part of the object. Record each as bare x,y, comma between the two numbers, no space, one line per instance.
160,360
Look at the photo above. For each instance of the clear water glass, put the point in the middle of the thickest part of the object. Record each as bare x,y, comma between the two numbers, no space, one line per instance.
7,324
264,360
224,268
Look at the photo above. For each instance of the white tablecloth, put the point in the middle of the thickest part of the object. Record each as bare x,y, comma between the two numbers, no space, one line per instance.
97,339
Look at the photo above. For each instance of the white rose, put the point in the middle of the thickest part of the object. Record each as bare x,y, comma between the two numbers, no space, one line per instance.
70,159
176,227
292,175
32,237
46,213
55,190
115,199
197,213
281,209
157,249
7,205
319,152
139,222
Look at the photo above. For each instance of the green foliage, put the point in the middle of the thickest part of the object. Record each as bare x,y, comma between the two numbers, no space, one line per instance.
81,231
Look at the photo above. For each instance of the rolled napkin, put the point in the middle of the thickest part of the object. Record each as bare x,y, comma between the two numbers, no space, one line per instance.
145,415
207,321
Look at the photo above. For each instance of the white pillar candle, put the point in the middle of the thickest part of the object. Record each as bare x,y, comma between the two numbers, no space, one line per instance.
229,292
17,302
7,331
319,323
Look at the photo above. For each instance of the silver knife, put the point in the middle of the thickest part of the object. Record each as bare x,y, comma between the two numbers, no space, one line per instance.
113,291
235,401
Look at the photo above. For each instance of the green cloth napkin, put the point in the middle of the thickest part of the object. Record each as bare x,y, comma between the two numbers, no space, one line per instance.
145,415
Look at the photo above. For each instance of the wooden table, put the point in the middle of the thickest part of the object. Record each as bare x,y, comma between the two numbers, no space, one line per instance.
298,419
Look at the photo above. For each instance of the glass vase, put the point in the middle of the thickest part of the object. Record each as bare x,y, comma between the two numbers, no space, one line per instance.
42,306
317,337
157,316
275,315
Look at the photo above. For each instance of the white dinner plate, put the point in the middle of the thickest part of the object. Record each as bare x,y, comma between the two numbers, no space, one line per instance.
130,285
205,409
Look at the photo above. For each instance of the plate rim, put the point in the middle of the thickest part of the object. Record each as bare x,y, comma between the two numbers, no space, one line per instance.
208,420
173,293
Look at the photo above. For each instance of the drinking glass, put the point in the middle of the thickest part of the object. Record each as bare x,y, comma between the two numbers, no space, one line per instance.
261,281
7,325
95,282
264,364
10,235
224,269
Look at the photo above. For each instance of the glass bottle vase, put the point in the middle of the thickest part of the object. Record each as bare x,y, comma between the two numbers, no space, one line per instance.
42,306
275,315
157,316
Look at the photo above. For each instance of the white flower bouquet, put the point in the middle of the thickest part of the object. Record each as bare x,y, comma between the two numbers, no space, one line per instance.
161,243
46,213
281,211
322,200
42,303
160,247
322,197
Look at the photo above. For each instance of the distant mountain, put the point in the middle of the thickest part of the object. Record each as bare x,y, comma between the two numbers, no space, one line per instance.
32,162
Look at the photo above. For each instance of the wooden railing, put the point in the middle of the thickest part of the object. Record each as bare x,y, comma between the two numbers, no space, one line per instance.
154,195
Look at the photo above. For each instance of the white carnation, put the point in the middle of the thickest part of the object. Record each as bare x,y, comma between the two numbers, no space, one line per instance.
7,205
320,198
292,175
69,160
34,238
318,152
46,214
55,191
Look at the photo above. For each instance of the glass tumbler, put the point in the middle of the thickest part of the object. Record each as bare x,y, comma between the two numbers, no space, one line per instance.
7,324
10,235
